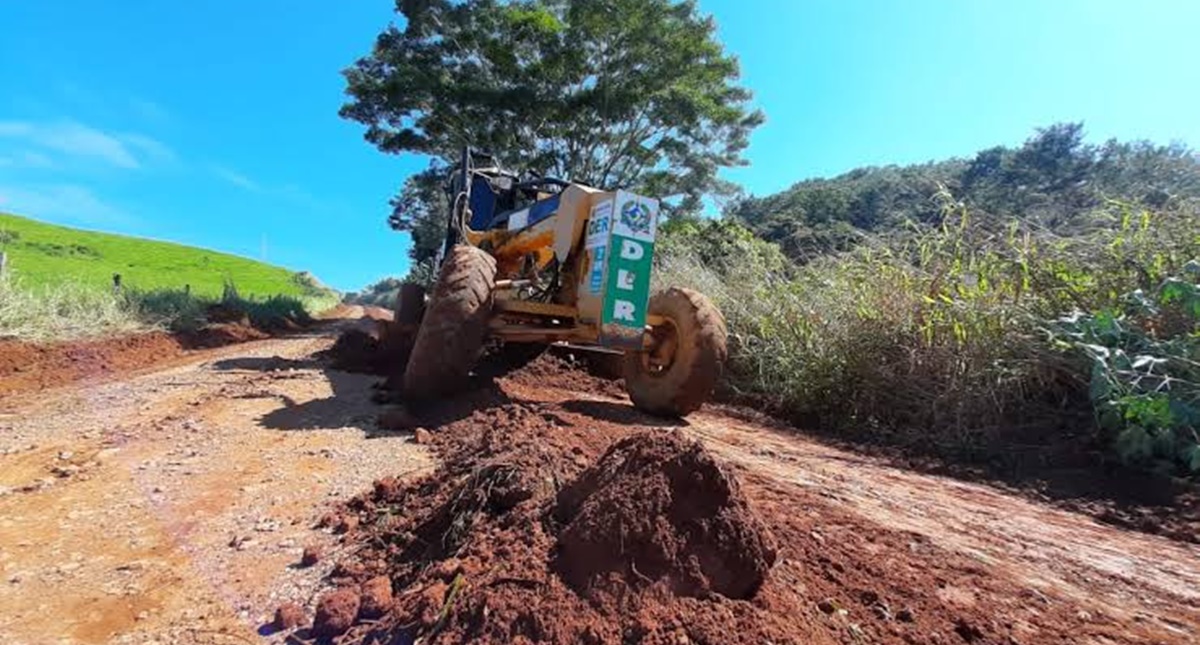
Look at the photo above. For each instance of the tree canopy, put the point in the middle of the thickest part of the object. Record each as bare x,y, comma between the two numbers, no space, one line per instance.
634,94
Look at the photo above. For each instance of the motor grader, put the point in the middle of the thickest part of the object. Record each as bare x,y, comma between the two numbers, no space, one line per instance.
530,261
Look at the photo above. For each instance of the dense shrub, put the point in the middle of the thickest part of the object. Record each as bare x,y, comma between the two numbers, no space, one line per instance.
1145,372
955,337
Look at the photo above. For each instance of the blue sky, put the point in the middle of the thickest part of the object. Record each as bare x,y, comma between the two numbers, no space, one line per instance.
215,123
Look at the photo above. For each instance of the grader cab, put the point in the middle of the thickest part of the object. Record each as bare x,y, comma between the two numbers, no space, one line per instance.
532,262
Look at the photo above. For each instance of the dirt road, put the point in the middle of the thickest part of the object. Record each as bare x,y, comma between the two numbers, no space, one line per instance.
172,506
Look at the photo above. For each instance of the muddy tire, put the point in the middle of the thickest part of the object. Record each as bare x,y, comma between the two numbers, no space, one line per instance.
454,327
410,305
398,335
685,379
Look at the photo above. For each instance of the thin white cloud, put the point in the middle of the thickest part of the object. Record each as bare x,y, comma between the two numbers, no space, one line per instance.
78,139
237,179
123,150
288,193
152,148
63,202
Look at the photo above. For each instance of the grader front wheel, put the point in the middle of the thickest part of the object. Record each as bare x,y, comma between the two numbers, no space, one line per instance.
455,325
679,368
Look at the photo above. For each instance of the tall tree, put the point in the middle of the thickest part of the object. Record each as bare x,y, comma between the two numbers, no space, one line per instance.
635,94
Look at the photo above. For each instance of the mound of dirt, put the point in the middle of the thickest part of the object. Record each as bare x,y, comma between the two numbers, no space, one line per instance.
552,521
26,366
480,549
657,507
569,372
221,334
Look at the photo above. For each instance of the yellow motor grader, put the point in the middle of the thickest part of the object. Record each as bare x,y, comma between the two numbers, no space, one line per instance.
529,262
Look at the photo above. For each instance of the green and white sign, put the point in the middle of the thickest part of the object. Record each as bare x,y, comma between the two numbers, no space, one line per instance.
629,264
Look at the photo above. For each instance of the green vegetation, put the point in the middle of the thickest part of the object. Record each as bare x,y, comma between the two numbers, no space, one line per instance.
379,294
71,310
1066,323
45,255
64,312
1054,182
58,285
637,94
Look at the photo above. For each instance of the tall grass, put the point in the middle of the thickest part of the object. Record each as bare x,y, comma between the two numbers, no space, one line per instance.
65,311
945,338
69,310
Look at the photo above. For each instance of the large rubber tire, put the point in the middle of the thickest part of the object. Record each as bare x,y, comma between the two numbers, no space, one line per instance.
456,320
398,336
699,357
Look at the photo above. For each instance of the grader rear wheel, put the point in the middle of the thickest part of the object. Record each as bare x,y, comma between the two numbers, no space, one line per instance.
677,373
454,327
398,335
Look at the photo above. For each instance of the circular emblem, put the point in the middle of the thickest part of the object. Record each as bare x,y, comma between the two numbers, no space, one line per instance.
636,216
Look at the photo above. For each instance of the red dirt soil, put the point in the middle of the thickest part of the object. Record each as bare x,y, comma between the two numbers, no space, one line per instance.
472,549
658,509
26,367
517,537
34,366
567,372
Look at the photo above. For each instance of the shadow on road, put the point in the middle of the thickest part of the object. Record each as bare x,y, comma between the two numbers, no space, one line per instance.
265,364
348,406
353,402
623,413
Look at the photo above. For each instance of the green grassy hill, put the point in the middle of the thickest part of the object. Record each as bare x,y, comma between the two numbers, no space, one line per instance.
43,254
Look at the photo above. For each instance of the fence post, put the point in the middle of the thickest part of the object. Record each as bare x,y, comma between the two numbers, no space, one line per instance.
3,262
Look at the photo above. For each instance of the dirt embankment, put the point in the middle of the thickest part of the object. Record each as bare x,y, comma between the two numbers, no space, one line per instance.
562,515
30,366
26,367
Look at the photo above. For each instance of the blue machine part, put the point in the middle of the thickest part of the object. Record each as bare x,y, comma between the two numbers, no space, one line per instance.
543,209
538,211
483,203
